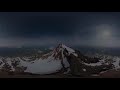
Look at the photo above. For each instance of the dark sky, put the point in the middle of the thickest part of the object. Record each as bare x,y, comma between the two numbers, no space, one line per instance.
49,28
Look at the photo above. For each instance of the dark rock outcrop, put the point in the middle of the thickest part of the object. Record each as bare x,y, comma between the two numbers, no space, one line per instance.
77,66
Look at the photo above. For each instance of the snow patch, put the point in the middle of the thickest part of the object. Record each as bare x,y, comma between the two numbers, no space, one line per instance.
68,49
67,71
42,66
84,69
65,62
116,62
95,75
93,64
75,54
10,64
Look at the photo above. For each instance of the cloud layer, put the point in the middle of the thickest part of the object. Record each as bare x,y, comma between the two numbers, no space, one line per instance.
71,28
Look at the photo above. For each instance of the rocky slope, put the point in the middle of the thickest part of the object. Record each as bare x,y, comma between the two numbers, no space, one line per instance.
61,59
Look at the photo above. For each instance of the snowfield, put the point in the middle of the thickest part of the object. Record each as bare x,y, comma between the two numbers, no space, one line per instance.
93,64
115,60
53,62
47,65
42,66
38,66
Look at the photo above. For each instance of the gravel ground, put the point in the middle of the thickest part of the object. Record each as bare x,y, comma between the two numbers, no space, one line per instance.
108,74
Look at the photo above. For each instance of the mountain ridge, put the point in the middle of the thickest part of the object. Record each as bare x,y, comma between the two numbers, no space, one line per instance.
61,59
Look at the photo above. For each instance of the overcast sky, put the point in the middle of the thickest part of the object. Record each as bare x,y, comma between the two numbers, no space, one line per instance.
50,28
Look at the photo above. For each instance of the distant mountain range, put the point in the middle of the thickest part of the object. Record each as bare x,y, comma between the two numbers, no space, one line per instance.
61,59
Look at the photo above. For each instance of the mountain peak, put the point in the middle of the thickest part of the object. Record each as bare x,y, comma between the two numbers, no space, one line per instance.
63,46
58,51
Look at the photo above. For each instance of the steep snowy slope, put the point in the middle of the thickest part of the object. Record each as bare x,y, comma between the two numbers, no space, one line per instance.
60,58
48,63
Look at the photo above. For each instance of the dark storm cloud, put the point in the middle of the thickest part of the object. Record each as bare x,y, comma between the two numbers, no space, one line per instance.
73,28
36,24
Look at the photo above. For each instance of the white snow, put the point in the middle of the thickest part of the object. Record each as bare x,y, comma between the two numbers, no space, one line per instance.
65,62
10,64
69,49
84,69
116,63
95,75
67,71
26,58
115,60
51,65
75,54
42,66
45,66
103,71
93,64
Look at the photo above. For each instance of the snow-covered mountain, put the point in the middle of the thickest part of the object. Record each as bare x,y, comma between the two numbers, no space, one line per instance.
107,59
60,58
47,63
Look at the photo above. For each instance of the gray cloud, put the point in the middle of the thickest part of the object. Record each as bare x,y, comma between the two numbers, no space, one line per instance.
71,28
